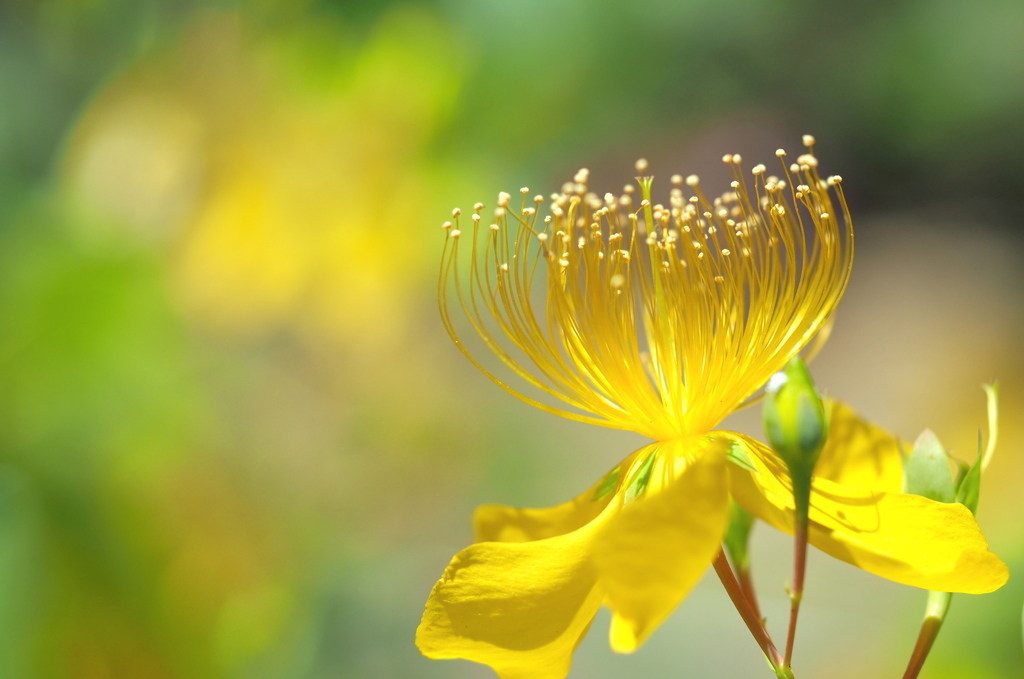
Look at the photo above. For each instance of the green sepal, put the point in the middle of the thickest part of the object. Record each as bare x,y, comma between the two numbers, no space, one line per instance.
961,472
927,471
607,485
968,487
737,536
938,605
738,456
781,672
641,478
813,427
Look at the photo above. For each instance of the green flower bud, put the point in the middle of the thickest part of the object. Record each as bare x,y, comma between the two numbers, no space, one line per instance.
795,420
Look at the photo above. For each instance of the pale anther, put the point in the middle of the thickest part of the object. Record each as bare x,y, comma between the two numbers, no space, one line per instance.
808,160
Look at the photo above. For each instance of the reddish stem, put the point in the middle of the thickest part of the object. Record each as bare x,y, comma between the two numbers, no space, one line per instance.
746,609
747,585
938,606
929,630
796,592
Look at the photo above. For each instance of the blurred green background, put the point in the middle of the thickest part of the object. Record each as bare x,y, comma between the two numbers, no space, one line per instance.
235,440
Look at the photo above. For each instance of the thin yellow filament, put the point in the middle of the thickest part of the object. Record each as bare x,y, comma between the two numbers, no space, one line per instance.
662,319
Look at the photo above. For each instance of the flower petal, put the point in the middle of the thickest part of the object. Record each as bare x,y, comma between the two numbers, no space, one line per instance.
655,550
860,454
501,523
520,608
522,598
904,538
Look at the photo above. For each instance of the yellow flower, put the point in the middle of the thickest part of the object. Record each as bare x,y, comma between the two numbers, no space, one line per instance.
663,320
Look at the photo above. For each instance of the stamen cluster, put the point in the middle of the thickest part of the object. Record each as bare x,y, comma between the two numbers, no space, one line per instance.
658,318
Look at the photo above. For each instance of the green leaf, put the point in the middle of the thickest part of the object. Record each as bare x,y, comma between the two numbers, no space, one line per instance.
927,470
738,456
607,486
641,478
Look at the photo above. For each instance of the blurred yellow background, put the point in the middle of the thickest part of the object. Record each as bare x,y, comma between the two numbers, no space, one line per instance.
235,440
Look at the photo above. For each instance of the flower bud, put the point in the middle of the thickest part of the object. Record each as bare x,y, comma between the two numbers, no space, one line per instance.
794,419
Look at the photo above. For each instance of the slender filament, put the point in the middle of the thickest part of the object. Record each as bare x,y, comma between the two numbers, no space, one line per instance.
651,318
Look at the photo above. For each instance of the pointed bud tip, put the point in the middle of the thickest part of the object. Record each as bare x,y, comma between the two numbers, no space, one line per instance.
795,420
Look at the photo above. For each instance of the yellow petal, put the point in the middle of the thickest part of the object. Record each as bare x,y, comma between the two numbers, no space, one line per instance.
655,550
860,454
501,523
522,605
904,538
520,608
